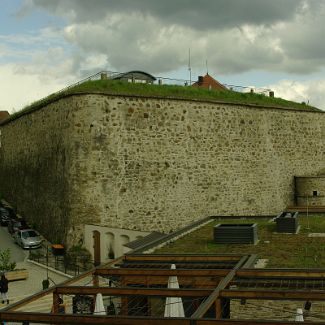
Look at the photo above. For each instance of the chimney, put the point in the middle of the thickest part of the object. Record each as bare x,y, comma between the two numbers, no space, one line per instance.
200,80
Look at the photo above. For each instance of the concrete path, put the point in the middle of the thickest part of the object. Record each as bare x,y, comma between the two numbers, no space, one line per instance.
21,289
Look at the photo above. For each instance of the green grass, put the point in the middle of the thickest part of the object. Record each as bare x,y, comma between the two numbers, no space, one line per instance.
281,250
166,91
122,87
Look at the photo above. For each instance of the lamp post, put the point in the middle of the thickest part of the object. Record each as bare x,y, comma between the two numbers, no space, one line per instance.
307,212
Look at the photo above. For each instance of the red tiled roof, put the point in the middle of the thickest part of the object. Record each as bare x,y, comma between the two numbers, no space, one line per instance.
4,115
208,82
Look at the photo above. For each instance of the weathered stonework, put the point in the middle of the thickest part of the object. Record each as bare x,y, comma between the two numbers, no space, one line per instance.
153,164
310,190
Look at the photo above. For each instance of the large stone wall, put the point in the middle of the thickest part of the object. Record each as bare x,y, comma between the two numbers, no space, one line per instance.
154,164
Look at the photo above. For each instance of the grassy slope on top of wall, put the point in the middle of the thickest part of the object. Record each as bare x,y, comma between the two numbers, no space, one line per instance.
118,87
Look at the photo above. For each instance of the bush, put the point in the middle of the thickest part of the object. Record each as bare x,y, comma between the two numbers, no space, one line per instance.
80,256
5,263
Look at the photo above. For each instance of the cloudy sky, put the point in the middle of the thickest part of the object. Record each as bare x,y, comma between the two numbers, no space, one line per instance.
46,45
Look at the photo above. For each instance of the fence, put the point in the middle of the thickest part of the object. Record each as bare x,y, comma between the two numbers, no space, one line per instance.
167,81
62,263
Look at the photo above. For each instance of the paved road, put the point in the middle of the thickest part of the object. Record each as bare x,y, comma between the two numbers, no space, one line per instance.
24,288
6,241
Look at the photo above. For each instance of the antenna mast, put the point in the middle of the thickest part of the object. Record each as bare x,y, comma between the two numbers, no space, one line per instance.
206,64
189,65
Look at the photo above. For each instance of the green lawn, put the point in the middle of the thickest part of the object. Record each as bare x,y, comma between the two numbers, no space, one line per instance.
166,91
282,250
122,87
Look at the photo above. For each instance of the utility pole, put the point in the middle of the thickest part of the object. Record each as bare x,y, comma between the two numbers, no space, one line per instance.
189,65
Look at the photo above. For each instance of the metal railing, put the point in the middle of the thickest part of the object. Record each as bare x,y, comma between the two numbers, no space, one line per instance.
62,263
165,81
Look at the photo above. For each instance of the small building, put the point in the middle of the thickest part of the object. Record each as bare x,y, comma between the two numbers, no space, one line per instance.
135,76
208,82
4,115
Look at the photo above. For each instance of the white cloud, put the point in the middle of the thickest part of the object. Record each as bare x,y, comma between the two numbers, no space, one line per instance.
311,92
19,90
154,36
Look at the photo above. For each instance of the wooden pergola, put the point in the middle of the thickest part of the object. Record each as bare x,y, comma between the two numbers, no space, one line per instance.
208,284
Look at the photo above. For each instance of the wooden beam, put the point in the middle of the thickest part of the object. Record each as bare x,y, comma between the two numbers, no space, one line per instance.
162,272
274,294
209,321
203,282
56,302
86,319
116,320
170,258
250,261
203,308
218,309
179,265
281,273
113,291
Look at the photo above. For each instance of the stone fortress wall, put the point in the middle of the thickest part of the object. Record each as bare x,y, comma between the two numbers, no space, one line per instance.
153,164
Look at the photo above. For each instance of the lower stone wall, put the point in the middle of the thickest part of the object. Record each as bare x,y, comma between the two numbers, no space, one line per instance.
310,190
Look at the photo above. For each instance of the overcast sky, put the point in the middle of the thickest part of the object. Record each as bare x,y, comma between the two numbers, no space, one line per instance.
46,45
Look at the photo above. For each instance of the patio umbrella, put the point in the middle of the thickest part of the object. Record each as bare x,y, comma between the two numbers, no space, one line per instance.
99,305
174,305
299,315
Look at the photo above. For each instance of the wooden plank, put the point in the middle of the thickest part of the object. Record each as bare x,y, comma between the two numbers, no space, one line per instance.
109,291
274,294
281,273
203,308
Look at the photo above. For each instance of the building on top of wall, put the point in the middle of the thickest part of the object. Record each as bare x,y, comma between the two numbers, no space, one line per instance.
135,76
4,115
208,82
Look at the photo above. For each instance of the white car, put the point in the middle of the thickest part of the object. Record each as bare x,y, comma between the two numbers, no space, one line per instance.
28,238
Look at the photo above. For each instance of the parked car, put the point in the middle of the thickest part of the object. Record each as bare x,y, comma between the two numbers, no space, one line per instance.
28,238
16,224
4,216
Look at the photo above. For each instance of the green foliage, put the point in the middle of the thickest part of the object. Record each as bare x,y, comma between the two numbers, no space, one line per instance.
5,263
80,256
